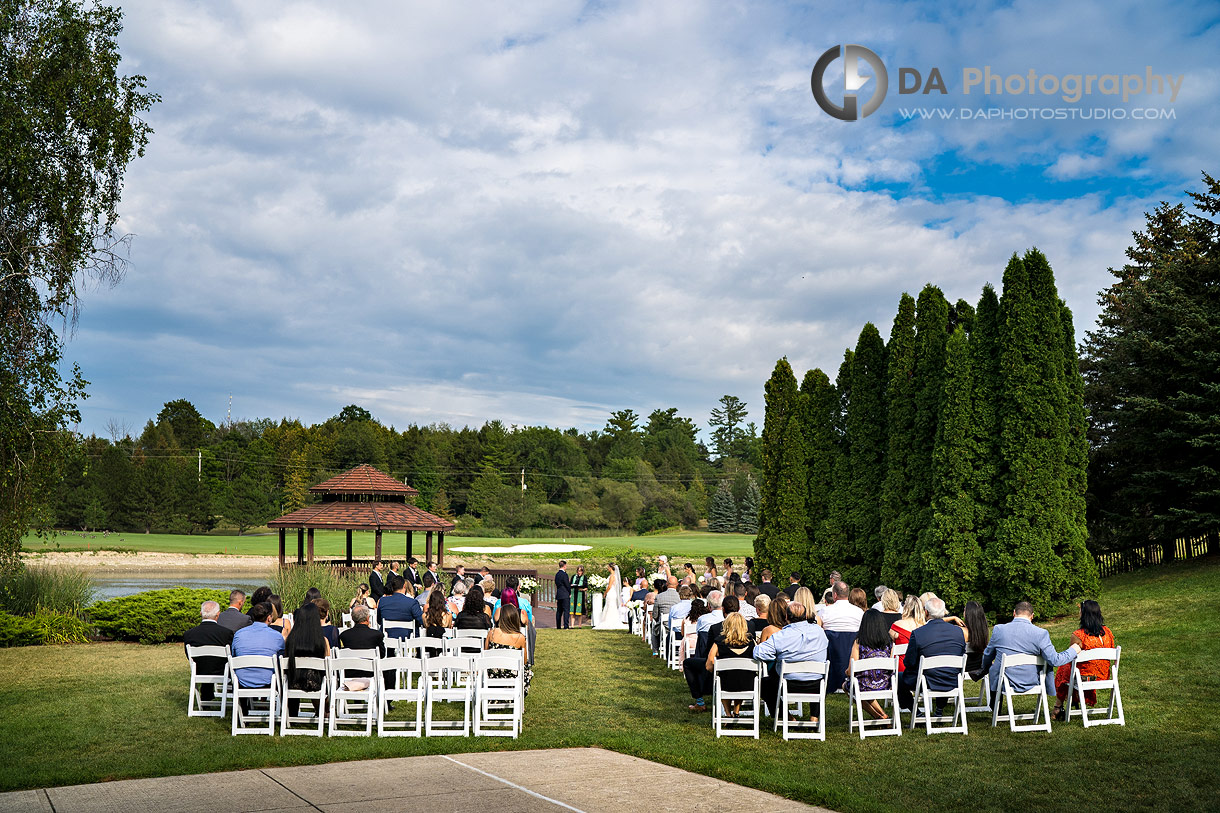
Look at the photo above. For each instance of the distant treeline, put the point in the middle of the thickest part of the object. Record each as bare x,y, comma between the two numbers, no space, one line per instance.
184,474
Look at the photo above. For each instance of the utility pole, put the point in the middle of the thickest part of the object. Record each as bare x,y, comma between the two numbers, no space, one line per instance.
199,472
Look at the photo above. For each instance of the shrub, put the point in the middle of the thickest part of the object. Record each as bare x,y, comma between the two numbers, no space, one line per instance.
153,616
291,582
17,630
59,589
61,628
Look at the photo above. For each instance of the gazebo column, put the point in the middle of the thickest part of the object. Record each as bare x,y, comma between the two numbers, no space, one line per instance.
283,534
300,546
349,547
410,545
440,550
377,545
428,549
309,546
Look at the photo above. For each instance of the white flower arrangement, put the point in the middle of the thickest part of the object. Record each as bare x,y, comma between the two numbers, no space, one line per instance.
636,605
656,576
598,582
527,584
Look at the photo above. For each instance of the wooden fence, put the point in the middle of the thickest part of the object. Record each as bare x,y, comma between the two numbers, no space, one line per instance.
1123,561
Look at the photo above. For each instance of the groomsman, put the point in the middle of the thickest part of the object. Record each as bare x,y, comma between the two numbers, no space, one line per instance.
376,582
412,574
563,595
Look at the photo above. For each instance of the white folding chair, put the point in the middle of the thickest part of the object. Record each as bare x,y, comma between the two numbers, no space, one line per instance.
347,621
982,702
407,685
673,648
196,706
856,697
499,700
467,647
1005,694
930,696
351,706
746,723
410,626
480,634
317,700
442,689
1079,684
257,697
800,728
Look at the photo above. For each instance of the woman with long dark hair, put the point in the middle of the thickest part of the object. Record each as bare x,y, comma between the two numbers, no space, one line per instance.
475,614
872,641
305,640
977,635
1092,634
436,615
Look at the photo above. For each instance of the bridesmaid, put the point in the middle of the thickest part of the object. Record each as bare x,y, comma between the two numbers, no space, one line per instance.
580,595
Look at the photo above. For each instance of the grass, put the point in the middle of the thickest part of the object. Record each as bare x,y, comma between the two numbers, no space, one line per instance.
118,710
686,546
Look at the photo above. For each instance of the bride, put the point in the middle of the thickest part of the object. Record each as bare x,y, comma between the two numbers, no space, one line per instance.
611,617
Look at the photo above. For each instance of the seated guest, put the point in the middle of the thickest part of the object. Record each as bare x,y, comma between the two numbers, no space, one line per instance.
458,598
640,594
475,613
804,596
507,634
311,595
743,600
873,642
842,615
859,598
1092,634
690,635
361,635
209,633
437,618
1021,637
428,580
777,617
936,637
977,634
329,630
694,667
795,643
794,582
878,592
679,612
762,604
519,600
490,593
891,607
398,606
305,640
363,598
734,641
233,618
913,618
256,639
667,596
277,621
261,594
766,587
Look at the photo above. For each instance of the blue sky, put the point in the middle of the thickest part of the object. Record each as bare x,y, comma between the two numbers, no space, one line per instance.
543,212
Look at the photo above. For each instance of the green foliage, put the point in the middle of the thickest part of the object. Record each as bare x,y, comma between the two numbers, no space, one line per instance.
291,584
69,126
781,406
722,515
900,404
155,615
747,512
728,438
18,630
866,434
61,628
1152,373
988,386
59,589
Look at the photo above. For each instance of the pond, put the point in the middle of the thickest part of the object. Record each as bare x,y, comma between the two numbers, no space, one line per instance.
114,585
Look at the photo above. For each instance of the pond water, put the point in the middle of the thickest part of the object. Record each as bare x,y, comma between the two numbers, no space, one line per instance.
114,585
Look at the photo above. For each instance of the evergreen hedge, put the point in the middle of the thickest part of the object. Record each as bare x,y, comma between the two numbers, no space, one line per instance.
153,616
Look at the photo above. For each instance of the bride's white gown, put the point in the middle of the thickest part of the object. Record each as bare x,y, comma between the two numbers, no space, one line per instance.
612,610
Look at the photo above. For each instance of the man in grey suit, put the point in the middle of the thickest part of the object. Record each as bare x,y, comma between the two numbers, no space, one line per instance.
1021,637
667,597
233,618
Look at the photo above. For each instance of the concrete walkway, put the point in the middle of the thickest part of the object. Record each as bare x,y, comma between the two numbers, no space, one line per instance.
571,779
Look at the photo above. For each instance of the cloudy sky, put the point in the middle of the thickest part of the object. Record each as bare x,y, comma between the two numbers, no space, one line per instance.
541,212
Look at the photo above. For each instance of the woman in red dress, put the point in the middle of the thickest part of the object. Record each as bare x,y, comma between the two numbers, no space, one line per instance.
1093,634
913,618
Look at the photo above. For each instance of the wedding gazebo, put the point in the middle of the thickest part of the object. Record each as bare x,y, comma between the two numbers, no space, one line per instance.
363,499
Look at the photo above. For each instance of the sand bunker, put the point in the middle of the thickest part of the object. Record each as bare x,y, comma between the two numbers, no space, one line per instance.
523,549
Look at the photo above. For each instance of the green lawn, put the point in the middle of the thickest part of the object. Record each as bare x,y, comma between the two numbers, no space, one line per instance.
689,545
87,713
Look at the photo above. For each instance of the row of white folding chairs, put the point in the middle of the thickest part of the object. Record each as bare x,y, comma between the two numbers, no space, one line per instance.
790,704
498,701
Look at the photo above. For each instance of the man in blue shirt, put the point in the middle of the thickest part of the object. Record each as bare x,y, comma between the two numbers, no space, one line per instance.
1021,637
398,606
256,639
797,642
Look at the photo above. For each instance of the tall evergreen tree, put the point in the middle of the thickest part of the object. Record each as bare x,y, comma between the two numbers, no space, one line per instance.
867,436
747,513
836,537
948,547
1082,579
1021,563
900,420
780,397
722,514
818,416
787,541
985,365
1152,376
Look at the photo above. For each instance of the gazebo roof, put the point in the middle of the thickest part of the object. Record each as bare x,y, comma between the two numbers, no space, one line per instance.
364,479
363,516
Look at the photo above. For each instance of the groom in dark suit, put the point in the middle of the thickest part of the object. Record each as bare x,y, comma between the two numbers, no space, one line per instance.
563,595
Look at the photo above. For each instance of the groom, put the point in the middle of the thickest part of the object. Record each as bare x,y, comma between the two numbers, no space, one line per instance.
563,594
